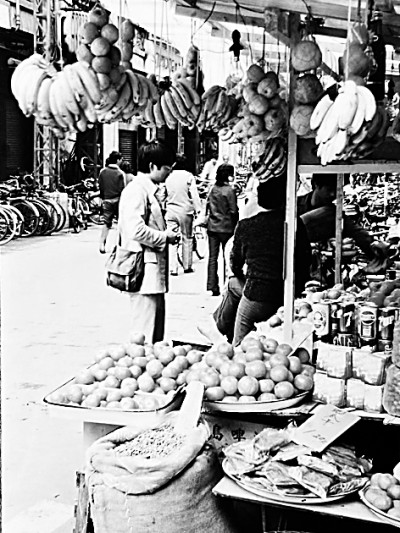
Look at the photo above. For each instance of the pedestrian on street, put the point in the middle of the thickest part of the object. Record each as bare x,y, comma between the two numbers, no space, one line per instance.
142,226
223,214
126,168
111,184
183,203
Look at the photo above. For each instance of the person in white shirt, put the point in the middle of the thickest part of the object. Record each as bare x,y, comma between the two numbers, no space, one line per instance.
183,203
209,170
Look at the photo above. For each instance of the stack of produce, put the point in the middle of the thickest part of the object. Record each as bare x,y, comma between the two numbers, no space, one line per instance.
383,493
94,89
273,161
217,108
127,35
179,102
349,124
273,463
262,113
137,376
306,57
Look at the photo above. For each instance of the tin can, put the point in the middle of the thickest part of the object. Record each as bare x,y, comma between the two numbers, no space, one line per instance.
321,318
368,322
334,318
385,346
386,320
346,317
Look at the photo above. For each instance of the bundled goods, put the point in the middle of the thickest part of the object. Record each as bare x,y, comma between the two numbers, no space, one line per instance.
179,103
272,462
307,90
272,163
262,113
216,109
96,88
350,124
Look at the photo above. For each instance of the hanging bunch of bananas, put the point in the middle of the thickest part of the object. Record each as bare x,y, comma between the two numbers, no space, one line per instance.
272,163
349,126
216,110
71,99
178,103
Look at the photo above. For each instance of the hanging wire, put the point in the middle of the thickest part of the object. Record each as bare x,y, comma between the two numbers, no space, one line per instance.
155,38
238,12
346,66
168,44
207,18
161,39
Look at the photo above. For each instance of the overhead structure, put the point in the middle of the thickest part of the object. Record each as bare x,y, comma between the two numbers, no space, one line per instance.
46,147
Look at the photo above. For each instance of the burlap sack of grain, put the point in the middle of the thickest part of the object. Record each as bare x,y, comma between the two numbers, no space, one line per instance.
184,504
136,474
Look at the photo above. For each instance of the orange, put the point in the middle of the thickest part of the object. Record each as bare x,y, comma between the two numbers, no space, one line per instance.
85,377
230,399
193,375
215,393
239,357
117,352
102,393
170,371
137,338
92,400
100,355
100,46
237,369
127,391
269,345
266,397
248,386
125,361
295,365
106,363
167,384
225,348
181,379
303,382
113,405
210,378
88,32
229,385
112,382
257,369
194,356
179,350
278,359
135,371
181,362
146,383
303,355
279,373
100,374
110,32
250,342
140,361
308,370
210,358
128,404
246,398
122,372
83,53
266,385
154,368
135,350
74,394
225,369
114,395
254,354
284,390
284,349
166,356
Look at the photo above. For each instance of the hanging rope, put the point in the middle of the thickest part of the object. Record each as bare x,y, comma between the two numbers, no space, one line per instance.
168,44
155,38
346,66
161,41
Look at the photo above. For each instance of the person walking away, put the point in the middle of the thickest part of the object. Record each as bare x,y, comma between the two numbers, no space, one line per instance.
142,227
258,244
209,170
223,214
111,184
183,203
126,168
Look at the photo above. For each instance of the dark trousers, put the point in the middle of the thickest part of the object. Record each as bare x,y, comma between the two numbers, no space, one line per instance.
249,313
225,314
214,241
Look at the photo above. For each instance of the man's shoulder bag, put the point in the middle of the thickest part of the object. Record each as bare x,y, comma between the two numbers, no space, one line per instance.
125,269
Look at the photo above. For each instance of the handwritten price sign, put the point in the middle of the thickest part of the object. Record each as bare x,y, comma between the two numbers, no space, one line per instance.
324,427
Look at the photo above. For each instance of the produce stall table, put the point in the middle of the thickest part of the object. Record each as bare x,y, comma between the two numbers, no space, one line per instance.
354,510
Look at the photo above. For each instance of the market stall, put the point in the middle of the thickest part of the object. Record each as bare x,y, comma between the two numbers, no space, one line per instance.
278,405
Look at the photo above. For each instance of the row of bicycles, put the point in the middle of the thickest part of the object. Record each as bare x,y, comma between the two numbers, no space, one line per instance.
27,209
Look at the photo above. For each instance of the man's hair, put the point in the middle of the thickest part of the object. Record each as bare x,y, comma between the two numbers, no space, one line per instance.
324,180
156,153
181,162
125,166
271,194
224,171
113,157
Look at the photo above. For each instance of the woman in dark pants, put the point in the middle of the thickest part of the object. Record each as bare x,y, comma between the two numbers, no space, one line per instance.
259,243
223,215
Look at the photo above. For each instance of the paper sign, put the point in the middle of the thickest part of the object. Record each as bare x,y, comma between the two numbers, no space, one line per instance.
324,427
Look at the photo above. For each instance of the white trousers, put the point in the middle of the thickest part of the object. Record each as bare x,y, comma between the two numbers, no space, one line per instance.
148,315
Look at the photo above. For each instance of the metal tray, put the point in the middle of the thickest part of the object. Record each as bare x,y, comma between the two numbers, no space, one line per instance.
255,407
381,514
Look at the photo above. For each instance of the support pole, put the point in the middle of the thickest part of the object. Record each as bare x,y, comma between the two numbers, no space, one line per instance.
339,228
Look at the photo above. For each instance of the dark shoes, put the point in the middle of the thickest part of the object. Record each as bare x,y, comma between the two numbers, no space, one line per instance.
188,270
173,273
216,293
102,249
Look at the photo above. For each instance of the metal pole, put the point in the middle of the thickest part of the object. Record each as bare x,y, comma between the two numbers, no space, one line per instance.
339,228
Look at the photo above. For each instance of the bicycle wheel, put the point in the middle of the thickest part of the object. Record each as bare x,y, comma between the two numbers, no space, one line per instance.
62,216
44,216
54,215
8,226
96,210
30,215
83,212
18,218
199,242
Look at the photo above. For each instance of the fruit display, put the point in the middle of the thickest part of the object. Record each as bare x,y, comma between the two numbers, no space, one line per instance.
273,161
261,111
217,108
385,293
97,88
383,495
137,376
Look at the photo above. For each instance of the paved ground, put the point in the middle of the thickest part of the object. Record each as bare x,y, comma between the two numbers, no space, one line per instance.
56,312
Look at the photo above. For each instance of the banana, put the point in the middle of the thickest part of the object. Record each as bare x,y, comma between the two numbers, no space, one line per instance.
210,101
68,94
143,89
184,94
32,89
122,80
134,81
225,134
148,114
59,96
74,82
153,91
358,119
124,98
42,101
370,103
110,97
339,143
227,115
89,80
129,110
180,104
347,106
381,134
29,72
81,124
361,135
375,125
158,114
53,103
320,111
173,107
329,125
170,120
17,85
212,91
88,107
195,111
221,104
194,95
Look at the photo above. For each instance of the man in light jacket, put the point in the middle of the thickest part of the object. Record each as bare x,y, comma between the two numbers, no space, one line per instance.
142,227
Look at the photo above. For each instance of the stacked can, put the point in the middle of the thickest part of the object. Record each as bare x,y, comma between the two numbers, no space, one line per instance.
386,318
367,324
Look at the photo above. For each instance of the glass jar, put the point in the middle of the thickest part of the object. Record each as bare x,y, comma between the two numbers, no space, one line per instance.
391,392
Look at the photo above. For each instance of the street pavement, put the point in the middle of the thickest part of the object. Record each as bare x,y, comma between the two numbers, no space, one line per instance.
56,312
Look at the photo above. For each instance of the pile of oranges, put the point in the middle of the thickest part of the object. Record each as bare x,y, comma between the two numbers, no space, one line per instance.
259,370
